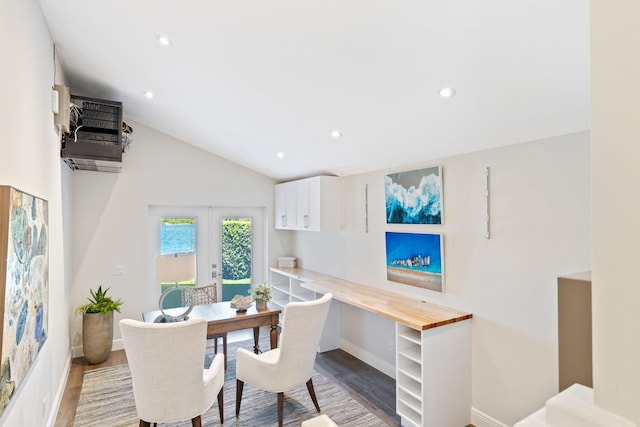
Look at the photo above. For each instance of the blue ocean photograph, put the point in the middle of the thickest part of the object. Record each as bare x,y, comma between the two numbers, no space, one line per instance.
415,259
414,197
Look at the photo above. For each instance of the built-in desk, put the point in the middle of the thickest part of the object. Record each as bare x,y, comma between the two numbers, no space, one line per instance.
433,344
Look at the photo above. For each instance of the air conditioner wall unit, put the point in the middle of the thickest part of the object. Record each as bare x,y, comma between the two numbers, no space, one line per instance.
94,140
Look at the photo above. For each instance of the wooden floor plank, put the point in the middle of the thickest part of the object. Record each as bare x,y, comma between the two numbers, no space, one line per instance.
372,388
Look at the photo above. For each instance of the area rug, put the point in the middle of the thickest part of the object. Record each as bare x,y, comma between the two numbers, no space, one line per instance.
106,399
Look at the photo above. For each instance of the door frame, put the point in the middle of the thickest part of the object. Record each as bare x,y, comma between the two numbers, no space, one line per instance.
208,229
258,241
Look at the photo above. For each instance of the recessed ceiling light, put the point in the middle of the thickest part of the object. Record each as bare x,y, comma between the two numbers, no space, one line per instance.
280,155
164,40
336,134
446,92
148,94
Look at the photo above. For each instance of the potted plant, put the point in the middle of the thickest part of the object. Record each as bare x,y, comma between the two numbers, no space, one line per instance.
262,295
97,325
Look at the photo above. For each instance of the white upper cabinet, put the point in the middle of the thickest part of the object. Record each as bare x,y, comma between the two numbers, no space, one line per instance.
285,205
311,204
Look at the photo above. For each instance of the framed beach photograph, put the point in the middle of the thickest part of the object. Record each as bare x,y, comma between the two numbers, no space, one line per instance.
24,285
414,197
415,259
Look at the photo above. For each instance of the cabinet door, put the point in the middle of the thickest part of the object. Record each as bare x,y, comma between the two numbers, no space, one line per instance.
314,204
281,206
308,204
302,204
285,206
292,221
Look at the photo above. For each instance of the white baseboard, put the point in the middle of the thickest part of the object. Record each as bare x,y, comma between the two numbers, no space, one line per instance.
77,350
118,345
55,405
368,358
480,419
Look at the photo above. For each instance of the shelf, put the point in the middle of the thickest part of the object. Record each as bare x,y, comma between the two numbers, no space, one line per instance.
304,295
410,335
281,288
412,353
288,287
410,401
411,369
409,414
410,386
280,281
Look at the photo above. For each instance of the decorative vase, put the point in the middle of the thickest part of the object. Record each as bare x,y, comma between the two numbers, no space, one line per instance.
261,305
97,337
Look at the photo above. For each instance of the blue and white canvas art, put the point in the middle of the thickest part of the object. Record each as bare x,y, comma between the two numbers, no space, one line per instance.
415,259
414,197
24,286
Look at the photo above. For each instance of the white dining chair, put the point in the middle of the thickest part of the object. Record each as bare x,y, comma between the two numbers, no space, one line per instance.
166,362
291,364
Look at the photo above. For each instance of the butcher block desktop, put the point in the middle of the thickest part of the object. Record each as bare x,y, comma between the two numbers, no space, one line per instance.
433,343
417,314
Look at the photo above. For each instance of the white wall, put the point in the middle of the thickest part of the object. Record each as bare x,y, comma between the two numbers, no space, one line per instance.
30,161
110,214
540,219
615,86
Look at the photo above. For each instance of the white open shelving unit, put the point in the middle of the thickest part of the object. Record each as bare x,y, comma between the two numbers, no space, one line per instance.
286,287
433,375
409,374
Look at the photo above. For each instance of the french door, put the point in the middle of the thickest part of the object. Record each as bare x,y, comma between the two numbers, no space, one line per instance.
238,250
228,242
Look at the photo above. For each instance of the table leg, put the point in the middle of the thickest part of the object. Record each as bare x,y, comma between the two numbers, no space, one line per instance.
273,335
256,338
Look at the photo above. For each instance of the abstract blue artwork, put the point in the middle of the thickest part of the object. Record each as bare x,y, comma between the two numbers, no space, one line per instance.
414,197
24,286
415,259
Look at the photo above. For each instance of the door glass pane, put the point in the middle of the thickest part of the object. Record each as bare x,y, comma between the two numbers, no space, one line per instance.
237,233
177,235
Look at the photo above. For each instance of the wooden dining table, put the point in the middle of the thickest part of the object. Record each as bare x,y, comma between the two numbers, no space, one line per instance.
221,318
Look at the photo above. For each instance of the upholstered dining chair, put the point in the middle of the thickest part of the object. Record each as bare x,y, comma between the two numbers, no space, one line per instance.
166,362
207,294
291,364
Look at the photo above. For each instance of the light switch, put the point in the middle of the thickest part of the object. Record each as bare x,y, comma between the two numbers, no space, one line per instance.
118,270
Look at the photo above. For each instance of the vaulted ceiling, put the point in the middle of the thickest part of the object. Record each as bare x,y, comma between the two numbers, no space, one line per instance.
248,79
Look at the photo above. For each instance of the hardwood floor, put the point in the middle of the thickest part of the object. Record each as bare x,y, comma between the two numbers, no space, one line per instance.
370,387
375,390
